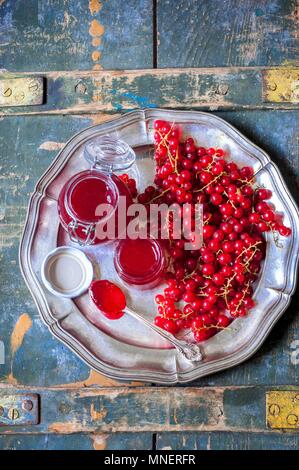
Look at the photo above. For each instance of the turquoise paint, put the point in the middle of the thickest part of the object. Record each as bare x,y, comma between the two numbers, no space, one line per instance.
259,12
226,33
117,106
140,101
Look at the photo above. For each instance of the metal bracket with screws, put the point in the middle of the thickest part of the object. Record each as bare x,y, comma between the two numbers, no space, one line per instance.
19,409
25,91
281,85
282,409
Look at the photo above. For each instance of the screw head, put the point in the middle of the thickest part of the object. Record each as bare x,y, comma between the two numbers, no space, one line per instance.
292,419
64,408
13,414
27,405
222,89
274,409
80,88
272,86
33,86
7,92
20,96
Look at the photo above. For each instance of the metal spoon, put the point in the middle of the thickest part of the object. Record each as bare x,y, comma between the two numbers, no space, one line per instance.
111,300
190,351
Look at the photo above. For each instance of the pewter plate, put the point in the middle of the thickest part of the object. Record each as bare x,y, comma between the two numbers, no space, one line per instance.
126,349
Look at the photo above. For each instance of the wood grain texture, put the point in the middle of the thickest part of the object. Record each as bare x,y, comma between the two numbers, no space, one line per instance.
115,91
108,410
85,35
179,441
226,441
68,35
217,33
80,441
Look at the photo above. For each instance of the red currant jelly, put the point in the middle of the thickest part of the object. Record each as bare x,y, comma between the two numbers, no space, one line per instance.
108,298
79,199
140,263
86,191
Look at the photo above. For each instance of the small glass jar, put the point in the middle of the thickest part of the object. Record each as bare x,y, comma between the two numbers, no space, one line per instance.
140,263
85,191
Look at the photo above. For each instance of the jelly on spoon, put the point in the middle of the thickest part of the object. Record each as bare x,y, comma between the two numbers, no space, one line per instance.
111,300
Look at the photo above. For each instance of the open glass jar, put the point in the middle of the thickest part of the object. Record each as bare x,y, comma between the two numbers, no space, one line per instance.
81,196
140,263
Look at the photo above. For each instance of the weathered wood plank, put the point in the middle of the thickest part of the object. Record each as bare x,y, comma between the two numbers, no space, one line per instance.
107,410
218,33
114,91
80,441
76,35
226,441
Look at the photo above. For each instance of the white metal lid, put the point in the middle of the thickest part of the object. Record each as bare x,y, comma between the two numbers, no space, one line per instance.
67,272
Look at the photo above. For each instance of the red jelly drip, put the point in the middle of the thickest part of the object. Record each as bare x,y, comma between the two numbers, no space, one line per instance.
109,298
87,195
138,258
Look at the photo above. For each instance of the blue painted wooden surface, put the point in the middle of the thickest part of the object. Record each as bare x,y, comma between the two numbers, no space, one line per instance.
217,33
92,92
43,37
39,35
80,441
226,441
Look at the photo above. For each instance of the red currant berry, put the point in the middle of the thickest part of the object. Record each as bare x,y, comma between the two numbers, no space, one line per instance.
263,194
284,231
223,321
218,279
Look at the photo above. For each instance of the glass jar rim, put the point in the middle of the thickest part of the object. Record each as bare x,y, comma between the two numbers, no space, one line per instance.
109,154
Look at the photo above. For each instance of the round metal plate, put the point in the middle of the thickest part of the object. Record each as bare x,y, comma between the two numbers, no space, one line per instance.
125,349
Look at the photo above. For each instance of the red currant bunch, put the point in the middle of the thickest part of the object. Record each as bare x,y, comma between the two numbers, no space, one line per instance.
208,287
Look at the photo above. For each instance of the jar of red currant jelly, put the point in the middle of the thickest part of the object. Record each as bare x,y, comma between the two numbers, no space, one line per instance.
84,192
140,263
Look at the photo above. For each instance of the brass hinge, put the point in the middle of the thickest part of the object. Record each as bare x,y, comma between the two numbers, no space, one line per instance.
281,85
19,409
25,91
282,409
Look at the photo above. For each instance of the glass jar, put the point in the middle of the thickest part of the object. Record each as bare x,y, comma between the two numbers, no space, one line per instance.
140,263
85,191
